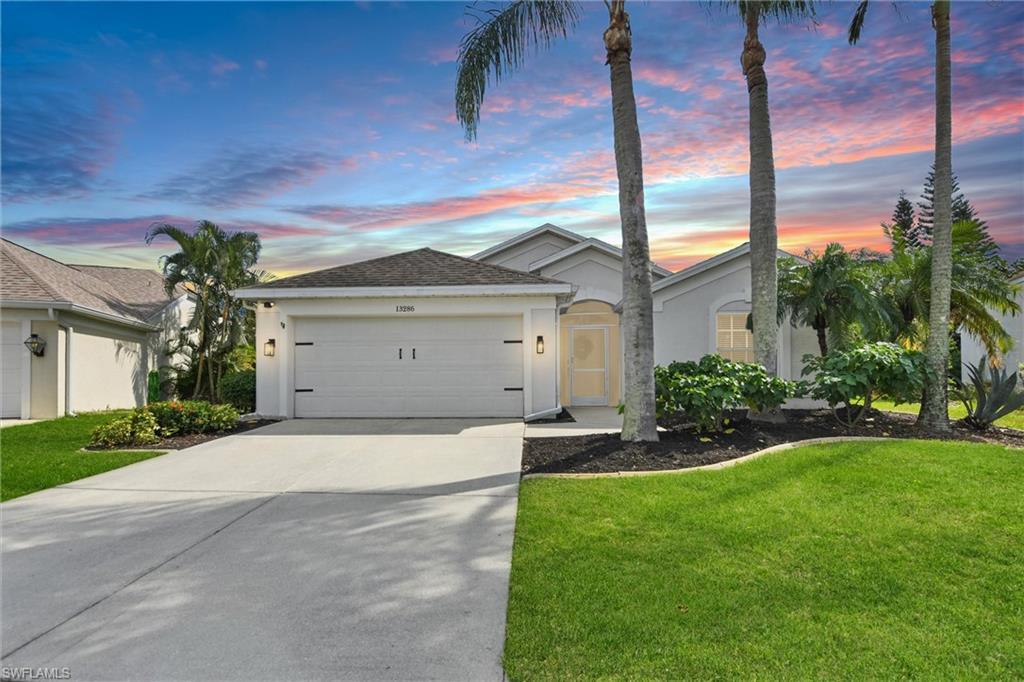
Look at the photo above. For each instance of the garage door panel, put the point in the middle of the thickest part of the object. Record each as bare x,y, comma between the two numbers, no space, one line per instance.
462,367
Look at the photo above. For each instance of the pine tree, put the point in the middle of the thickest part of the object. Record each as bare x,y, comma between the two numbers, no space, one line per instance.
902,231
926,211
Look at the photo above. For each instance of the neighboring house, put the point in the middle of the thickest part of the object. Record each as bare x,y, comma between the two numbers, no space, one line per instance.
103,330
521,329
972,350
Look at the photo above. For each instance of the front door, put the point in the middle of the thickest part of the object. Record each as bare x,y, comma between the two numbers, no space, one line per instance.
588,365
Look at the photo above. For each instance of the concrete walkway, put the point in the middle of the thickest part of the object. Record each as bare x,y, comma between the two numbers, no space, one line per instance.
361,549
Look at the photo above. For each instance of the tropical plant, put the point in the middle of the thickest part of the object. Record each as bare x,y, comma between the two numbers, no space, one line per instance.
980,287
498,45
853,377
935,406
835,293
210,263
239,389
763,228
990,401
703,391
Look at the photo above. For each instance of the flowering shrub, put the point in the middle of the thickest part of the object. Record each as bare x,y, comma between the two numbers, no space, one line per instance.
703,391
146,425
138,428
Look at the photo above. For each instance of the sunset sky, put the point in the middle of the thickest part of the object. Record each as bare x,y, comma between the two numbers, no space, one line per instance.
329,129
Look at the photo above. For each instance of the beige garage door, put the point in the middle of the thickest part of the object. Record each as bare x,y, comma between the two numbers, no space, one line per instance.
10,367
409,367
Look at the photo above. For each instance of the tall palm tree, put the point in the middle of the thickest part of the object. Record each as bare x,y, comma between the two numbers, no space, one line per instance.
498,45
210,263
763,228
935,407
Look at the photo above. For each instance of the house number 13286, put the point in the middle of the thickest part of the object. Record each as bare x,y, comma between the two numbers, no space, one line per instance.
405,308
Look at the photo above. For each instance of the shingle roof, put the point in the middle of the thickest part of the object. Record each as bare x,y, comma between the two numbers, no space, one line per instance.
134,294
420,268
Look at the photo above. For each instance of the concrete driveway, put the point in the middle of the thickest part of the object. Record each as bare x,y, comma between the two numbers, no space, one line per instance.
309,549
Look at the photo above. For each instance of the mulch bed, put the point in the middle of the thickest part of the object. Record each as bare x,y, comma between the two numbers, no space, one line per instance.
187,441
683,448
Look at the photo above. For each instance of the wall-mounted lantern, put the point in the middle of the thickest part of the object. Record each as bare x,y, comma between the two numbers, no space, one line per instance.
36,344
269,347
540,345
268,304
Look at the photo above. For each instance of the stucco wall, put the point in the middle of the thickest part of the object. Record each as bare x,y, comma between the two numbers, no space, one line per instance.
597,275
971,349
45,372
107,372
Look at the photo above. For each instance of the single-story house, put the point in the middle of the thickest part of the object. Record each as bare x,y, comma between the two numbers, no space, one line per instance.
77,338
972,350
519,330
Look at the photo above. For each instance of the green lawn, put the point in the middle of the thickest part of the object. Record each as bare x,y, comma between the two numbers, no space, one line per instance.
853,561
1014,420
48,453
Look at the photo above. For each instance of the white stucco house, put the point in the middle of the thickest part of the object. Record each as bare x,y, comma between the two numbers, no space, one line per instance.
972,350
519,330
95,334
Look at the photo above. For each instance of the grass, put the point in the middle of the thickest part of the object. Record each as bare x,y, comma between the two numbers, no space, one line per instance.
860,560
1014,420
41,455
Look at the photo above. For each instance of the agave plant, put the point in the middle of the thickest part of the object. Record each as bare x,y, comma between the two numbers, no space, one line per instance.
993,401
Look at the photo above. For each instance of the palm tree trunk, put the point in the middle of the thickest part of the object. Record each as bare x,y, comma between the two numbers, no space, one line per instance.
203,312
763,234
638,420
935,410
822,341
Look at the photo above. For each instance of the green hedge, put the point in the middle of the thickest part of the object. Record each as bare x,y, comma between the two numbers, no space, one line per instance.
239,389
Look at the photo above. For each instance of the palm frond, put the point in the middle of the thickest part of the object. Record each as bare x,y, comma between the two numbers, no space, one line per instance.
857,22
500,43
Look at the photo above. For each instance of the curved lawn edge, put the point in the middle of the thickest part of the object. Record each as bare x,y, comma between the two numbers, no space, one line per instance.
718,465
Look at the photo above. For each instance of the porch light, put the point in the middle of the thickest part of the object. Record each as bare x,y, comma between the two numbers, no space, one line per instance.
36,344
540,345
269,347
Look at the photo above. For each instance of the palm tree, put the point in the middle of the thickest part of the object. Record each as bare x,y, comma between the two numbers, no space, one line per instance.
210,263
834,293
763,228
935,407
498,45
979,286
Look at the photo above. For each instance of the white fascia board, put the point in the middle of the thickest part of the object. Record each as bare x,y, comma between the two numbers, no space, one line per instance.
525,236
81,310
591,243
270,293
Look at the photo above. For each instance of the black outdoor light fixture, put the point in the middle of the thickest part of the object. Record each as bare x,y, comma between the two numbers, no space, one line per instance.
269,347
540,345
36,344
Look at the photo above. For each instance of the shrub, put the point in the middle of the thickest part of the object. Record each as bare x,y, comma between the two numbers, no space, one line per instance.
986,403
138,428
192,416
153,386
239,389
852,377
702,391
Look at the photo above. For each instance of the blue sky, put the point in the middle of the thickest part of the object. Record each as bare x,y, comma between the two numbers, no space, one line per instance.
328,128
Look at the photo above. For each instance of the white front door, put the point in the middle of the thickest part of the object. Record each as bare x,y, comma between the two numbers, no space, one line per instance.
588,365
11,351
409,367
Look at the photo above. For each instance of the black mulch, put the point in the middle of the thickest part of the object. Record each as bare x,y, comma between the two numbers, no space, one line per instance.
187,441
683,447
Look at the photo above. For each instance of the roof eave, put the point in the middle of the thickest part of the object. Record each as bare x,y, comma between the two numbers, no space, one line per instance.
283,293
525,236
22,304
